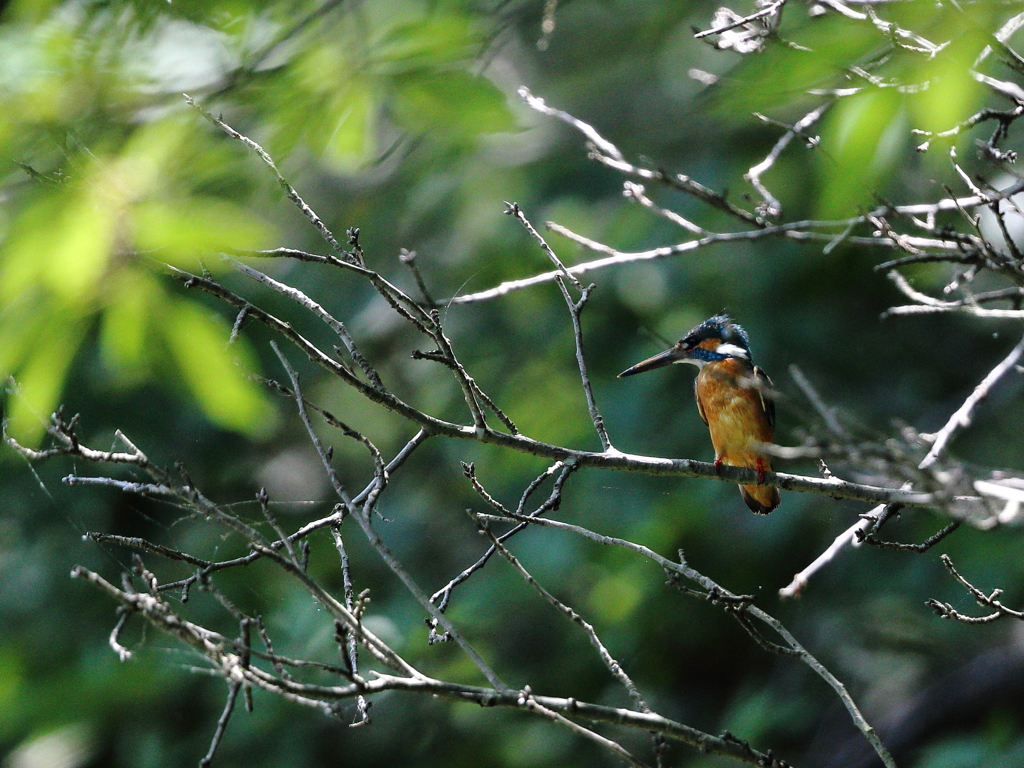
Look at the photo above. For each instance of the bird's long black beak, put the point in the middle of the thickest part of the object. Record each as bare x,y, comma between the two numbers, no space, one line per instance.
660,360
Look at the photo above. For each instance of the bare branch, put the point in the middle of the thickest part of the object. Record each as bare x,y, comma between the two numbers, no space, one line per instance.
717,594
289,191
962,416
849,536
633,191
222,724
214,647
574,311
599,142
771,207
946,611
608,154
800,230
351,649
513,210
443,595
305,301
613,666
826,413
769,10
365,522
123,654
924,546
531,703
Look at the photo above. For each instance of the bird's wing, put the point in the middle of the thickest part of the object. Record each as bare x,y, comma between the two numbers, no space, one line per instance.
700,406
764,388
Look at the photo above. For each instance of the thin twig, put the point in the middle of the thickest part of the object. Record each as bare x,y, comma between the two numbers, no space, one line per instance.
946,611
633,191
827,414
799,231
716,593
305,301
385,553
870,539
575,307
513,209
213,646
289,191
771,207
769,10
222,724
613,666
962,416
351,648
442,596
531,703
849,536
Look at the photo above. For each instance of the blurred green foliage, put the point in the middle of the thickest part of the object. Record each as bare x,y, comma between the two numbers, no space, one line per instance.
400,117
128,177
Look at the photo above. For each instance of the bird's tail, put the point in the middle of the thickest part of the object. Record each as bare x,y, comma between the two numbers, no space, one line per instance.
760,498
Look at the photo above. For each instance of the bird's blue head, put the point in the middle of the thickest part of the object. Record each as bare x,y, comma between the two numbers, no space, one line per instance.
717,338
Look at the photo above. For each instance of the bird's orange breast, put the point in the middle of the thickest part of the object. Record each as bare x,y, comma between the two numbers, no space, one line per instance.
731,404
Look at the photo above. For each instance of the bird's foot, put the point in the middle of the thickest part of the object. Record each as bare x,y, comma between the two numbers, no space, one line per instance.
718,466
760,471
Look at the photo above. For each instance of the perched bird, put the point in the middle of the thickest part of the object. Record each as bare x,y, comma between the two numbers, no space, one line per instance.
733,398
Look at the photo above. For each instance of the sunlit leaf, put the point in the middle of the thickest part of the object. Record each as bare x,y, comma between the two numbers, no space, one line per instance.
80,247
309,101
214,372
62,241
181,232
781,74
351,142
20,325
456,103
437,40
41,377
321,69
133,299
864,135
150,155
952,94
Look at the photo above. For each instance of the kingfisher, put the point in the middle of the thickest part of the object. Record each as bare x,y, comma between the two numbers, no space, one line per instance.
733,398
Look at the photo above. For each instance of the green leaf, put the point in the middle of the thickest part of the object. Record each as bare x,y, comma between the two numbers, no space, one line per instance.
151,157
781,75
451,103
952,94
180,232
81,247
41,377
134,296
61,241
215,373
20,327
320,70
352,141
440,39
862,139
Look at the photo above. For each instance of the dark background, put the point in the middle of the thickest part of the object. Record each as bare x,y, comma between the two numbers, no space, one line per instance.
401,118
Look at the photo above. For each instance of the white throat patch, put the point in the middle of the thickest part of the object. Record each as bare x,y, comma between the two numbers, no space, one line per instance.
733,350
